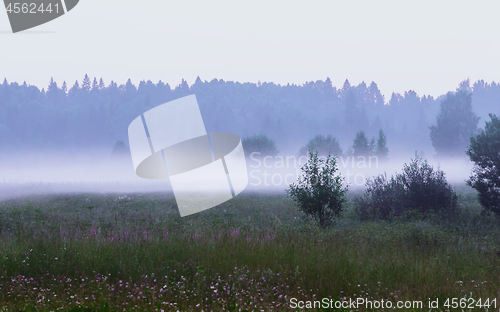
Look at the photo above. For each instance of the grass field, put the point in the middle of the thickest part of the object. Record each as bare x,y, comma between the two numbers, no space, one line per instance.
254,253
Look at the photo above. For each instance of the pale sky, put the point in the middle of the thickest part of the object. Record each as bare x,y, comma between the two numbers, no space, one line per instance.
426,46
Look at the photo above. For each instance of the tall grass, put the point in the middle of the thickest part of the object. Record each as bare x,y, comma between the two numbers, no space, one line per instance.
252,253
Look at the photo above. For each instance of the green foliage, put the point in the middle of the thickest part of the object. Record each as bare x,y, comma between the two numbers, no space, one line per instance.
361,147
455,124
319,192
250,256
76,116
324,145
259,144
381,150
484,151
417,189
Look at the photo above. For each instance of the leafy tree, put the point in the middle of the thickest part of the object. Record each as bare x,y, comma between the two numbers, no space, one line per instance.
465,85
484,151
361,147
319,191
259,144
381,150
418,188
455,124
324,145
395,100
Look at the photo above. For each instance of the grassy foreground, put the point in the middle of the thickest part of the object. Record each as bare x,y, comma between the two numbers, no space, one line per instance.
89,252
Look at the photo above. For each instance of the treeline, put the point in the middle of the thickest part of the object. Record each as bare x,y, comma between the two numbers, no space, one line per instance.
93,114
261,146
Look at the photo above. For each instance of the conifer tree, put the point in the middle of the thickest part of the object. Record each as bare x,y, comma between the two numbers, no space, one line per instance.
86,83
360,146
381,150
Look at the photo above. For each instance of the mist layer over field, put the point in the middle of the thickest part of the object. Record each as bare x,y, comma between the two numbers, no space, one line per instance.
98,171
81,171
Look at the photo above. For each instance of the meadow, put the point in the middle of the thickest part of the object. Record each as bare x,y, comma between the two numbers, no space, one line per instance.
257,252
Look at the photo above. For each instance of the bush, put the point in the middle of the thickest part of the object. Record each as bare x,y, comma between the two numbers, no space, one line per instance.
418,189
484,151
324,145
319,192
120,149
259,144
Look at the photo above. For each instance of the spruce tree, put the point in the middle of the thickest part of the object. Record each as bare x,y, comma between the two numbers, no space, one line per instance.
86,83
360,146
102,86
381,150
95,85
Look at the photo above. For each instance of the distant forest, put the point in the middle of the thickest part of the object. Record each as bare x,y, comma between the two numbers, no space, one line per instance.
90,114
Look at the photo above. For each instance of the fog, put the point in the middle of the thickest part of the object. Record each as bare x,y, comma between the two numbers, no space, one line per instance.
38,172
279,171
98,171
75,139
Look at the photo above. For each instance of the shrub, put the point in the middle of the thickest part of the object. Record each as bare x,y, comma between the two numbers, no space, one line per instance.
319,192
324,145
484,151
417,189
259,144
120,149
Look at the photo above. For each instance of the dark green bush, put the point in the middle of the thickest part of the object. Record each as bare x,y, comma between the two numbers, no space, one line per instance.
319,191
323,145
261,145
418,189
484,151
